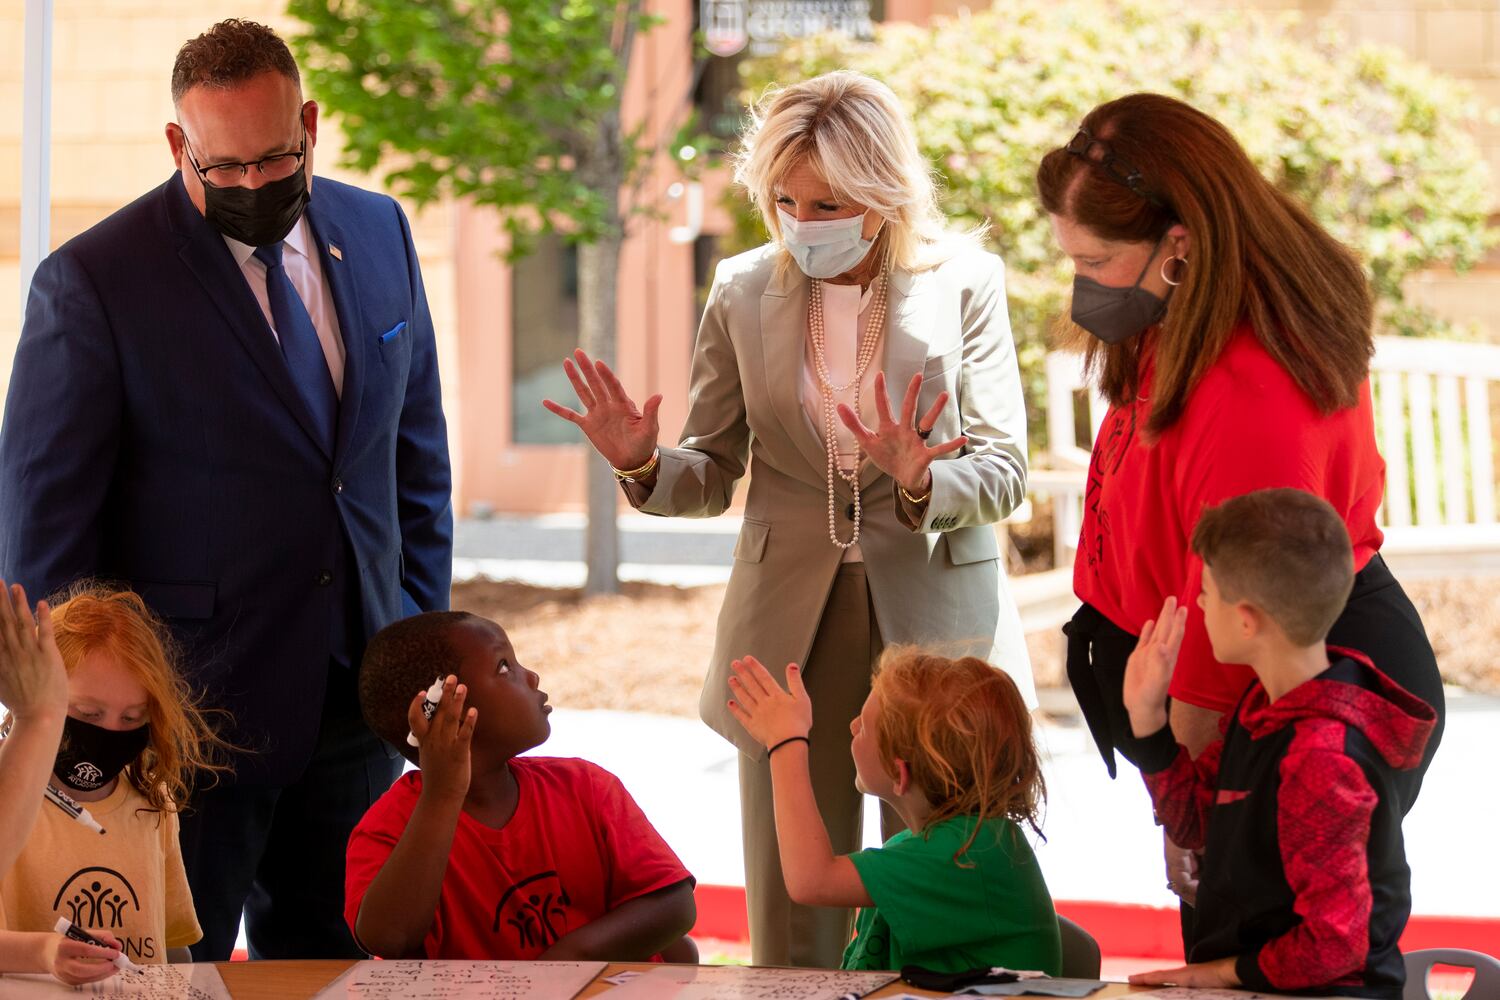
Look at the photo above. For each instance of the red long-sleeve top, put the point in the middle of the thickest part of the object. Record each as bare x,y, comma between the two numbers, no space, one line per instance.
1245,426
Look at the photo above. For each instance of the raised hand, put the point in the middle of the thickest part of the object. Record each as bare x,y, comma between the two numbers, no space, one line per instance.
623,434
768,713
896,446
444,741
33,681
1148,672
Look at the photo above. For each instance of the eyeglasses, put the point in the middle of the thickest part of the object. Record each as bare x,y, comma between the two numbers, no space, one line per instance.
1083,145
273,168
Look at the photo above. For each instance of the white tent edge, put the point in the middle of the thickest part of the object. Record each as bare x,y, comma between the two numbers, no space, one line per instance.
36,142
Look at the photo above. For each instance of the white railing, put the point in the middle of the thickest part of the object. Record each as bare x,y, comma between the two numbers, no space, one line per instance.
1434,424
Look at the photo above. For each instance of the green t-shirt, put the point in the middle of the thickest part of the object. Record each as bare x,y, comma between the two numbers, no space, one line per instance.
929,911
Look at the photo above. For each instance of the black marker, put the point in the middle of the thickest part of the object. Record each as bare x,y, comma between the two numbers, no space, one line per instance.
68,929
430,702
68,805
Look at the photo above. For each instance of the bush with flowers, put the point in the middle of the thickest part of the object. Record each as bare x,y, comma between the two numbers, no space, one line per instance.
1379,146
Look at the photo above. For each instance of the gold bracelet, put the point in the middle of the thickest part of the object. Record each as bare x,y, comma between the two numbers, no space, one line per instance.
636,475
915,501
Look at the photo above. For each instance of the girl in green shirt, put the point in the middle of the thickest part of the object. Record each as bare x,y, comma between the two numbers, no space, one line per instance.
948,744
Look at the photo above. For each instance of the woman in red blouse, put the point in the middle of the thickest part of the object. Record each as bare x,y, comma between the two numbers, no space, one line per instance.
1232,338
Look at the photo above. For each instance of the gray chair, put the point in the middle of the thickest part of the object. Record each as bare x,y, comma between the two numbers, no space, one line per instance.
1486,985
1080,952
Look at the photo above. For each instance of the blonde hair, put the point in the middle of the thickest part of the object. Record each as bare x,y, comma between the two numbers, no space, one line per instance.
963,729
852,131
91,617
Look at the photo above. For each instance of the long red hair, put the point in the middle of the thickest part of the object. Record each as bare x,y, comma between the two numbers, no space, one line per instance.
1256,256
963,729
90,618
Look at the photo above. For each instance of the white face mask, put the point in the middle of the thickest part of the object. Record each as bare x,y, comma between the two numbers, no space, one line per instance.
825,249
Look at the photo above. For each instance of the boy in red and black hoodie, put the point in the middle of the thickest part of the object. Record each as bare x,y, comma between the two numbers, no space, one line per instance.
1304,885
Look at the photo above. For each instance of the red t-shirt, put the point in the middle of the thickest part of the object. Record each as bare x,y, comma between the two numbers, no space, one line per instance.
577,847
1245,426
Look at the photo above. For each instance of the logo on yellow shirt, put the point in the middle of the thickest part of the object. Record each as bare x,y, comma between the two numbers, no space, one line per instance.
100,898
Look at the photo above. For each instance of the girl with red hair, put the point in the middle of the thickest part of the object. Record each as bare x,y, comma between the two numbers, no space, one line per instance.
947,744
132,745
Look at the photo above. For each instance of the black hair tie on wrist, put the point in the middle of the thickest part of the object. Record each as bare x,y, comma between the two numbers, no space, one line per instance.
789,739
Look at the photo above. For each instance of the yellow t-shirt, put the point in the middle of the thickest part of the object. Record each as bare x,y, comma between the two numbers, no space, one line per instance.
128,881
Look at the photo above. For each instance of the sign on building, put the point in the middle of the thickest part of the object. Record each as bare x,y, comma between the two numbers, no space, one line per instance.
729,26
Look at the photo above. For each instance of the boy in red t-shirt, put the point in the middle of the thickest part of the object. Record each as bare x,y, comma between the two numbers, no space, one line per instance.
486,855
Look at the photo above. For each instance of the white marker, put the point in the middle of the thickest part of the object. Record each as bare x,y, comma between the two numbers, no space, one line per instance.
72,808
68,929
429,707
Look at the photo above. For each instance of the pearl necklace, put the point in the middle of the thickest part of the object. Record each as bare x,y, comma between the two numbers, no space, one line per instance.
868,343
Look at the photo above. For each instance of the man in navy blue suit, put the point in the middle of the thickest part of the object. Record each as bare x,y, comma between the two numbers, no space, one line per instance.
226,397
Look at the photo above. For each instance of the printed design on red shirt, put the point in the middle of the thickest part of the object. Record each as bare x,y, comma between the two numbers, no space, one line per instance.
1226,796
1324,808
1109,453
537,910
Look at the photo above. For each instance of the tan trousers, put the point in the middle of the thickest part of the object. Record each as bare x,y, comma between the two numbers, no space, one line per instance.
837,675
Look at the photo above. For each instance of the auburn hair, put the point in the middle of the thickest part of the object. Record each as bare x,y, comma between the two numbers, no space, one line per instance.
963,729
92,617
1256,257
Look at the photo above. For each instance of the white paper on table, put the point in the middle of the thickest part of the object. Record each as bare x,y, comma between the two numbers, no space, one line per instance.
442,979
738,982
1209,993
184,981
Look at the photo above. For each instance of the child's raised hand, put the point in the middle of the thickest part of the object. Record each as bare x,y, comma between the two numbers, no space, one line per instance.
444,740
768,713
1148,672
33,681
78,962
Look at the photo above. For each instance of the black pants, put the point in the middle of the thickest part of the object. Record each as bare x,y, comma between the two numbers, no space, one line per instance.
1378,621
277,853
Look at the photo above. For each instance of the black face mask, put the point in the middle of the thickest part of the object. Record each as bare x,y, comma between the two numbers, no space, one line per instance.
91,756
257,216
1115,314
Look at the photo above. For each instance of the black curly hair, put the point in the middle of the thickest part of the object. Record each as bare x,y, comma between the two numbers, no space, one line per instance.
401,660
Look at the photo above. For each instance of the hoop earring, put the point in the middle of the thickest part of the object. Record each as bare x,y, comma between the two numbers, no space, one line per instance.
1164,276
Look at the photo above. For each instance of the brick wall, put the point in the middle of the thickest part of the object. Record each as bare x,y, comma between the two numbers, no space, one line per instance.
111,68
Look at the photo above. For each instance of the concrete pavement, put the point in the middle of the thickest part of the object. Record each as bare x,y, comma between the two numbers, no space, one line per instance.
1101,843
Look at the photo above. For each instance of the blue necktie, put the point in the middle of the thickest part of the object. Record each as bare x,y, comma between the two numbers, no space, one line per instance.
300,346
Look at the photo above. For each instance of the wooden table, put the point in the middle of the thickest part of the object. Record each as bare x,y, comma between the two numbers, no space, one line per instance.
302,979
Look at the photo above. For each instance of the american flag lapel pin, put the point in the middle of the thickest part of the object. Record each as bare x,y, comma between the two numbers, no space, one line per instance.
336,252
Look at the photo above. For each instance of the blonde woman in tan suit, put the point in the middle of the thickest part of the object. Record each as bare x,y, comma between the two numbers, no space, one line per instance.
870,513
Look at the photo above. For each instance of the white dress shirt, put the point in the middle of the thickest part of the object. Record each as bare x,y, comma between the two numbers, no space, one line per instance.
846,312
304,268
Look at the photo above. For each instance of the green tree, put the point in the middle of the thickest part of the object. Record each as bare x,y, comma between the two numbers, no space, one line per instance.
510,104
1380,147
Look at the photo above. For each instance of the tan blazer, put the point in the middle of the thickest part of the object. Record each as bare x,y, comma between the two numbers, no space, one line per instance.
940,583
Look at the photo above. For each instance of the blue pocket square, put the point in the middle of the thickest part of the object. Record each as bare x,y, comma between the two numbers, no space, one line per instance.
393,332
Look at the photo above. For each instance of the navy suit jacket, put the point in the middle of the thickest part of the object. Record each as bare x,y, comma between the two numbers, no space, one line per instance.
153,436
